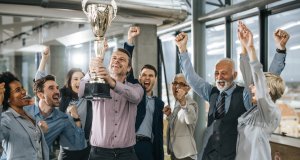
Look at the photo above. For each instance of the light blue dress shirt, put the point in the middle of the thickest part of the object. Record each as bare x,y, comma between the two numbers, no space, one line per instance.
146,127
59,124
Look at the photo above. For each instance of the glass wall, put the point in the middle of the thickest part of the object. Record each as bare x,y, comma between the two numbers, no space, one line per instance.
169,57
290,102
215,50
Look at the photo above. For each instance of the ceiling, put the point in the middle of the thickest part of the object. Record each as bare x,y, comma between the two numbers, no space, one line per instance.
60,20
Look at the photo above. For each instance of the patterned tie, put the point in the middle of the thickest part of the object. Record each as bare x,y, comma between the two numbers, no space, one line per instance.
220,112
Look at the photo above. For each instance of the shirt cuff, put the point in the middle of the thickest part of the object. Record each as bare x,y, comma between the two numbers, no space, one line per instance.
130,45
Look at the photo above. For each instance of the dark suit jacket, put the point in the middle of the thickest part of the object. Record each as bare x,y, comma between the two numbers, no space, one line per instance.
157,125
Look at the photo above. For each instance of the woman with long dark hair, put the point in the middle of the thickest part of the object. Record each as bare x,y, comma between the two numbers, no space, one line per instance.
22,138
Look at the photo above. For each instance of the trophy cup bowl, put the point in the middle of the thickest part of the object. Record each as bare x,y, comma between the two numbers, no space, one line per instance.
100,16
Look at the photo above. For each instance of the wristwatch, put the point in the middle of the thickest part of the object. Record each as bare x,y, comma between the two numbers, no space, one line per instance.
76,119
281,51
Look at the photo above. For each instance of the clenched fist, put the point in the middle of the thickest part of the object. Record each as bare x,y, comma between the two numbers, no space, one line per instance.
281,37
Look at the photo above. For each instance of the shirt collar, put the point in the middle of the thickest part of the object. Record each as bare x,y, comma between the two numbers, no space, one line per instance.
16,114
231,89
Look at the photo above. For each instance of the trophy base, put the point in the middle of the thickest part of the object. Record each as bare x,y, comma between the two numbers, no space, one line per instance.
96,90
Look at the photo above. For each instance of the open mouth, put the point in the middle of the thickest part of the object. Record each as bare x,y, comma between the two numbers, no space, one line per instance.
56,97
146,84
221,84
26,97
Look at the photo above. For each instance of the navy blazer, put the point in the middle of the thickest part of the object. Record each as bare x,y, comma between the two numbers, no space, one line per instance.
157,125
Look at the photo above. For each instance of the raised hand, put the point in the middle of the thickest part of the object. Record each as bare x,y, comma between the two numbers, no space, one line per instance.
246,39
2,90
281,37
46,53
245,36
181,42
180,96
132,33
44,126
45,56
167,110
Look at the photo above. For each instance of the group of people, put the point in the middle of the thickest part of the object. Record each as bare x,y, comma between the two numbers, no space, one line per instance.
129,126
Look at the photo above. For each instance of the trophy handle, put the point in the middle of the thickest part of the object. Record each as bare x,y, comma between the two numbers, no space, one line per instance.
115,9
113,4
83,3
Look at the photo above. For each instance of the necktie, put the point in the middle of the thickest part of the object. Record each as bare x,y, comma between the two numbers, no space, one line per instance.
220,111
88,121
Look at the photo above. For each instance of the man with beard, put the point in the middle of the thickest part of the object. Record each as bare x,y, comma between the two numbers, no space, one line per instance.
149,119
227,100
113,131
67,128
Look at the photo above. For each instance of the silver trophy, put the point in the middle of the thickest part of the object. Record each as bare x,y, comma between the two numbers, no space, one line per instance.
100,17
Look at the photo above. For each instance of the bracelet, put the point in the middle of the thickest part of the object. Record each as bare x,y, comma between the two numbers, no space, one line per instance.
76,119
281,51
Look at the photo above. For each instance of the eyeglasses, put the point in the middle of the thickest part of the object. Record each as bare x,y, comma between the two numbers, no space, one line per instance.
18,90
179,84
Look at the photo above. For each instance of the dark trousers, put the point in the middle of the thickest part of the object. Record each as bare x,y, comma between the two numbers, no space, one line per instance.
143,150
174,158
75,155
98,153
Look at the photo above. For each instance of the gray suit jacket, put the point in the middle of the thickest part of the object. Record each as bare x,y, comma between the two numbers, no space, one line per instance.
17,142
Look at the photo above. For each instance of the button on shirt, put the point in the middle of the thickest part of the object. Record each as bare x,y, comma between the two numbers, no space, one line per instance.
145,128
114,119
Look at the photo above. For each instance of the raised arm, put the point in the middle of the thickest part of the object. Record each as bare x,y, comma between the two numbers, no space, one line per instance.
198,84
244,60
41,72
133,32
281,38
260,89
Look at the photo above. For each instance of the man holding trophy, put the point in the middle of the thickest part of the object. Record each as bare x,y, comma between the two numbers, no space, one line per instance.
113,128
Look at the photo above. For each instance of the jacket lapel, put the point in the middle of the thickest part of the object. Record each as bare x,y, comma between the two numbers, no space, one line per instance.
24,125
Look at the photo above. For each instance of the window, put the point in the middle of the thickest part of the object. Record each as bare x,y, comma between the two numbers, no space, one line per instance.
290,102
169,53
215,49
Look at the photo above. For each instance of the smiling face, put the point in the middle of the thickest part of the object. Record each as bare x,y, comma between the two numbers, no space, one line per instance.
224,75
147,79
75,81
17,92
119,64
50,93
